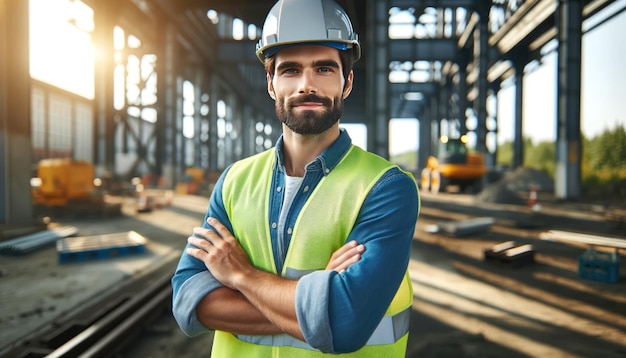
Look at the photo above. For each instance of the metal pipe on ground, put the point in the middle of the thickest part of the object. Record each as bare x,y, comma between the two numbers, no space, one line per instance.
29,243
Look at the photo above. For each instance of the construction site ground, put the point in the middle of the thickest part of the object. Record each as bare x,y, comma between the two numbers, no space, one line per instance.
463,306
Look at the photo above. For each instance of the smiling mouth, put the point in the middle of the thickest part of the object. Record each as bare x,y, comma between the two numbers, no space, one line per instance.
310,102
307,105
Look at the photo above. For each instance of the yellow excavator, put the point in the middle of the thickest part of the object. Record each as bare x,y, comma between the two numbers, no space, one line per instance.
456,165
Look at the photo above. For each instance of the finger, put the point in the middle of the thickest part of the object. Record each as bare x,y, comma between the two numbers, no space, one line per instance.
221,229
350,251
199,243
208,235
196,253
342,250
201,232
345,264
345,257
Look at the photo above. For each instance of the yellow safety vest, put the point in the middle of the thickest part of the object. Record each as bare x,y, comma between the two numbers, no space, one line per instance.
247,190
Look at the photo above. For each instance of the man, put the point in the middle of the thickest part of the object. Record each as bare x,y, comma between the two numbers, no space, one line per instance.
305,247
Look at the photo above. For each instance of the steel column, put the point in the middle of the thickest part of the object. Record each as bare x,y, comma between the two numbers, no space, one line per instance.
518,138
462,105
425,139
15,137
377,91
105,16
165,105
568,146
435,126
213,148
482,56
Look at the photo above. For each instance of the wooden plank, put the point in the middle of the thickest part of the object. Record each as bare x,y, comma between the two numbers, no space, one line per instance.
566,236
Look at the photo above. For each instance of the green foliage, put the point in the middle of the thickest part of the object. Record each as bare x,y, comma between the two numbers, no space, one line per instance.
504,155
608,150
603,157
407,160
541,156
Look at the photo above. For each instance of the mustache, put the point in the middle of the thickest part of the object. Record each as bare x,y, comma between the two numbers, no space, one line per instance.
310,98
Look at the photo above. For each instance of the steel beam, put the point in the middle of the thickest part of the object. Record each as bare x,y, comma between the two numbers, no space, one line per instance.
524,21
235,51
423,50
433,3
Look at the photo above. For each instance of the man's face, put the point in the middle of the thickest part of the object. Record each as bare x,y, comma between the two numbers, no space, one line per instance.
308,87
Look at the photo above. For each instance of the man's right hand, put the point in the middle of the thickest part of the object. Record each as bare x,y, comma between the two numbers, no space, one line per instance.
345,256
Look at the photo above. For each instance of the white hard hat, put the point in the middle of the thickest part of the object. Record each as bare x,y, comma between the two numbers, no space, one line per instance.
293,22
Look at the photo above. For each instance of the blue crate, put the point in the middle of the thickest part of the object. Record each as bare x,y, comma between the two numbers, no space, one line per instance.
599,266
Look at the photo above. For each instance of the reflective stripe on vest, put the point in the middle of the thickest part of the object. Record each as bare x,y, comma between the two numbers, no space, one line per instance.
320,230
389,331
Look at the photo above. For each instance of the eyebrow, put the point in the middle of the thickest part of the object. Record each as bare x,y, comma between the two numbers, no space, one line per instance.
326,63
288,64
320,63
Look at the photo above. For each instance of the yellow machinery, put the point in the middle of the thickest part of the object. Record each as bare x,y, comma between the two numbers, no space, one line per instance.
65,185
456,165
194,179
63,180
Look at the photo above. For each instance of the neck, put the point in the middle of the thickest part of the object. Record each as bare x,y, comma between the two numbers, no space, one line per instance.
299,150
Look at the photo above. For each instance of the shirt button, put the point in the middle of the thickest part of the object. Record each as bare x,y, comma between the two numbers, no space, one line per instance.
278,189
327,170
274,225
289,231
306,188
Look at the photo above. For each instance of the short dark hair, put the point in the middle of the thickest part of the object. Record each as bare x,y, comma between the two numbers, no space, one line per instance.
347,61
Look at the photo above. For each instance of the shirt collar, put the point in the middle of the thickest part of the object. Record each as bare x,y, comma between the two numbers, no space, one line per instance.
326,161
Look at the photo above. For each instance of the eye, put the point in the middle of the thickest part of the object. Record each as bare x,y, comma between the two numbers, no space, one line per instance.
325,69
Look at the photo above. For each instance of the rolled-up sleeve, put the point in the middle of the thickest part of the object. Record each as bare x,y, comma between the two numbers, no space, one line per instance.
192,281
191,291
312,294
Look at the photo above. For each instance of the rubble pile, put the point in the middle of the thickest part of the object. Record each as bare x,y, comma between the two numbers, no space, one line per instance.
507,190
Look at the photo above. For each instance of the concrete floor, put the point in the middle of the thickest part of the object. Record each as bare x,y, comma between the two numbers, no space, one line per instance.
463,307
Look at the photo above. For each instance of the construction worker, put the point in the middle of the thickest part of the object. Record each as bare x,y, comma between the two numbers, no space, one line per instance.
305,247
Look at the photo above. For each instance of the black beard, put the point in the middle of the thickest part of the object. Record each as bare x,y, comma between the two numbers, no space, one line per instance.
309,122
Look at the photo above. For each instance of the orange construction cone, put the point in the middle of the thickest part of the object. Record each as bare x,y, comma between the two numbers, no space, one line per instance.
532,199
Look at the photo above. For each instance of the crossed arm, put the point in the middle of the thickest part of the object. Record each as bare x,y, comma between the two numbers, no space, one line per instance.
252,301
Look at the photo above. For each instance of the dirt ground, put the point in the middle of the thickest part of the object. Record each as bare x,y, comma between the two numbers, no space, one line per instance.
463,306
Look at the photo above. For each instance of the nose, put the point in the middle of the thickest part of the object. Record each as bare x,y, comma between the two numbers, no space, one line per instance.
307,84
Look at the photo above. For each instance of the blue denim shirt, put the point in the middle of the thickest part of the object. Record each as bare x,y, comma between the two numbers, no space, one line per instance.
336,312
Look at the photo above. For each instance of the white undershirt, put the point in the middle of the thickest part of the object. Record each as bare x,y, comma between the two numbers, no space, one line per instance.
292,184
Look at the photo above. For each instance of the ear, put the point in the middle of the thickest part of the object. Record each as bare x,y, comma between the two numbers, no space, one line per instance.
347,88
270,87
